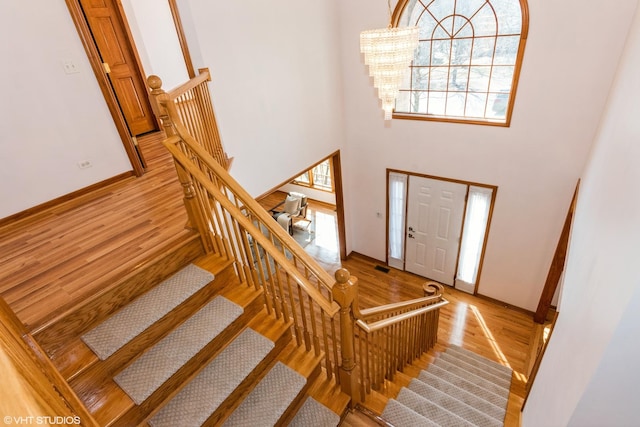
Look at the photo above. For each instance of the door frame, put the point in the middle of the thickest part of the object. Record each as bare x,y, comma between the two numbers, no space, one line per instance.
459,181
79,20
103,81
338,190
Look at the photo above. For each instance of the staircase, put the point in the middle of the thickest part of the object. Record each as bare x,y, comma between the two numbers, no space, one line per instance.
212,355
460,388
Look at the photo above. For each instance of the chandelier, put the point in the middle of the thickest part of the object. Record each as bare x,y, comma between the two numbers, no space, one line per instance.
388,52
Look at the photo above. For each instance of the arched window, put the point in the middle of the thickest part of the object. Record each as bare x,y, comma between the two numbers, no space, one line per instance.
467,64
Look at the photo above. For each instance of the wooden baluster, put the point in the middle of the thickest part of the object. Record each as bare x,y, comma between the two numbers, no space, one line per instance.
344,293
294,311
314,327
305,323
325,342
335,339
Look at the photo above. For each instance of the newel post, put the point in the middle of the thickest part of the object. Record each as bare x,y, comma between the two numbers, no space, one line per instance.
196,220
158,96
345,293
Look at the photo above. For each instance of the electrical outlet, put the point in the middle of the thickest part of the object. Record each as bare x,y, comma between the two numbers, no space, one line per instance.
70,67
83,164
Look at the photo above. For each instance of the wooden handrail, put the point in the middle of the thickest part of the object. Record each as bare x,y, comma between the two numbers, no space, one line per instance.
204,76
250,203
390,321
389,308
330,308
190,103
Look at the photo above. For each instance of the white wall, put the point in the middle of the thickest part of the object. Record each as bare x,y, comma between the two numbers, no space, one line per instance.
569,63
589,374
49,120
152,26
276,82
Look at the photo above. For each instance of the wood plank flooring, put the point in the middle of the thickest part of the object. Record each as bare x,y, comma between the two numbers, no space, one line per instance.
61,255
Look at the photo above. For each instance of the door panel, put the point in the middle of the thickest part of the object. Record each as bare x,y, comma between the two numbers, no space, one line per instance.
116,50
434,223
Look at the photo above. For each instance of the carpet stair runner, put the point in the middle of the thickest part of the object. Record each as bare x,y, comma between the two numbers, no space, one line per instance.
460,388
225,361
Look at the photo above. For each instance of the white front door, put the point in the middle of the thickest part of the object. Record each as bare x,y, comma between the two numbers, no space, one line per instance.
434,224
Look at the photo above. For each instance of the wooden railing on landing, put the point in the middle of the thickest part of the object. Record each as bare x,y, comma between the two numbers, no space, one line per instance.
191,102
391,336
323,311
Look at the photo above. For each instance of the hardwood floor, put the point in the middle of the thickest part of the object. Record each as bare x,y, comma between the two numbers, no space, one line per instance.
63,254
58,257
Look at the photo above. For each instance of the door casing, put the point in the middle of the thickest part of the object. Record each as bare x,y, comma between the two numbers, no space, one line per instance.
467,183
108,93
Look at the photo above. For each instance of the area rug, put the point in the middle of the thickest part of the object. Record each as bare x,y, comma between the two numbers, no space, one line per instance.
109,336
304,232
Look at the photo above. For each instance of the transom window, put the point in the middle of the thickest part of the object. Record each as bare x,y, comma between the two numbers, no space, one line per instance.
467,63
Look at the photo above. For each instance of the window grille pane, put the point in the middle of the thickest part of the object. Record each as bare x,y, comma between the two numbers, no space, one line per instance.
501,78
439,78
455,104
484,22
483,50
322,176
506,50
423,54
437,102
304,178
479,79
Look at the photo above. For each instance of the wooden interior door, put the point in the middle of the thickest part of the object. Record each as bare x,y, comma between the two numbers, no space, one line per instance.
117,52
434,224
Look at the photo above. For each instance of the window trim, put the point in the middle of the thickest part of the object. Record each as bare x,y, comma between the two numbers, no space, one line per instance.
524,7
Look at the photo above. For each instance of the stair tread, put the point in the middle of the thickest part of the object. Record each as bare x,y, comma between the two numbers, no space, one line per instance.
86,378
430,410
470,354
452,404
201,396
268,401
471,377
462,383
400,415
168,355
329,393
480,371
496,369
465,396
314,413
115,331
75,357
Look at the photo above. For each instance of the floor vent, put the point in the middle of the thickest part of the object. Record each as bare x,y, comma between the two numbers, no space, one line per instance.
381,268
